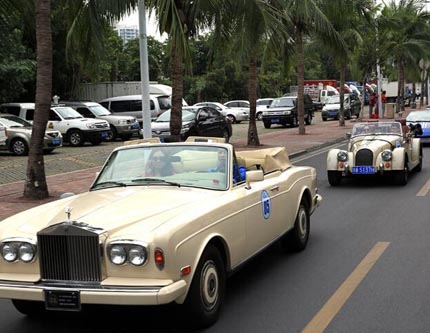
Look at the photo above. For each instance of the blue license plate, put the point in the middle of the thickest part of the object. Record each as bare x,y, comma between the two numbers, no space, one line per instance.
276,120
104,134
55,142
363,170
134,126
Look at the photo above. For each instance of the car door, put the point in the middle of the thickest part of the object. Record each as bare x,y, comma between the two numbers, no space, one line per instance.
54,122
206,124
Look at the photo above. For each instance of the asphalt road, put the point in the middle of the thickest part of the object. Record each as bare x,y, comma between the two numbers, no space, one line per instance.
68,159
326,288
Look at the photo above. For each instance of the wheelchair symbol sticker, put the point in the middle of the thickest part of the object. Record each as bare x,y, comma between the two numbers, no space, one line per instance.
398,144
266,204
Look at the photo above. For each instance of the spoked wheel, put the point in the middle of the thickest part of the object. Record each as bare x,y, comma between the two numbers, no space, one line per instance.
297,238
206,292
19,147
76,138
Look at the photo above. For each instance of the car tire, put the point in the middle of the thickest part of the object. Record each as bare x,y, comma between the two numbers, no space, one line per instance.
112,134
267,124
324,118
402,176
75,138
206,293
259,115
19,147
231,118
29,308
308,119
297,238
419,167
334,177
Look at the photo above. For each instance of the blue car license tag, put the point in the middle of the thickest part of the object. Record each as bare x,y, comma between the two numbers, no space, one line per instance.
55,142
104,134
276,120
134,126
363,170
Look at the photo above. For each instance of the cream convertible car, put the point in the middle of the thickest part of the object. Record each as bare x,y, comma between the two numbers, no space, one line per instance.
161,223
377,148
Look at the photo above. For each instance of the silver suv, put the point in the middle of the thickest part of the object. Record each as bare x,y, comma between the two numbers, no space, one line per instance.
18,136
120,126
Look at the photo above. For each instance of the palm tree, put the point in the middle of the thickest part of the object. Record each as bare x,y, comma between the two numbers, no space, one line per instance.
304,17
182,20
404,36
253,27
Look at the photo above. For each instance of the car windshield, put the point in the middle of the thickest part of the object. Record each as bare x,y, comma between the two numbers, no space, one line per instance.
67,112
383,128
264,102
423,116
283,102
14,121
188,114
164,102
177,165
333,99
99,110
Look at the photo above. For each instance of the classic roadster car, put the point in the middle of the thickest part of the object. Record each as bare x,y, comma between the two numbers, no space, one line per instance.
162,222
376,148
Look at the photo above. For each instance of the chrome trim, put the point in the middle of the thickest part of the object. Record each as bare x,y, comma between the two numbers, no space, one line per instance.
128,243
19,240
30,241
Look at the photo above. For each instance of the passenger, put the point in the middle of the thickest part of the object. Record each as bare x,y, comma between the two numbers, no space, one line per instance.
159,165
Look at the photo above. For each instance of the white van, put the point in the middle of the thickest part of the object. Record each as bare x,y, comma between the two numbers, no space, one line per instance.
131,105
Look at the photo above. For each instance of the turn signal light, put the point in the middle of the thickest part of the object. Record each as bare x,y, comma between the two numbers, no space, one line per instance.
341,165
387,165
159,258
186,270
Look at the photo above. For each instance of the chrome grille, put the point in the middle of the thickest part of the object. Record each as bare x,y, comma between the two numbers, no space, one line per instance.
101,125
69,253
364,157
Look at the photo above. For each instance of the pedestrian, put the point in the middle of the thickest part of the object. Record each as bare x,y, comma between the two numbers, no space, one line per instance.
372,103
384,101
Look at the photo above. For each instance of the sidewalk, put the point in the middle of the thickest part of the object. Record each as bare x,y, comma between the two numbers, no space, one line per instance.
317,136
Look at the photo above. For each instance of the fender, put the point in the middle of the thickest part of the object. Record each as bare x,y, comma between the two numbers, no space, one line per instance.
398,161
332,159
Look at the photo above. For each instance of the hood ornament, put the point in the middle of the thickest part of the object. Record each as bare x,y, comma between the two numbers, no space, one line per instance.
68,211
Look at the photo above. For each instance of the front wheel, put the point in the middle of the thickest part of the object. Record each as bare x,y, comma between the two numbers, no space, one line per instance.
260,116
19,147
76,138
334,177
231,118
402,176
297,238
206,294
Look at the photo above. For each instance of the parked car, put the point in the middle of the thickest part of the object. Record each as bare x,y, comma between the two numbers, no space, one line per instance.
120,126
262,105
233,114
131,105
76,130
422,118
17,135
137,240
196,121
283,111
351,106
376,148
241,105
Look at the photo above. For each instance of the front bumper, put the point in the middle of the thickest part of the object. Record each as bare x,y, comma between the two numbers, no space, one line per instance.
154,293
96,134
128,129
279,119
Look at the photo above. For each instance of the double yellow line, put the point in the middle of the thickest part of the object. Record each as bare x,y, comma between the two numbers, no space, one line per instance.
330,309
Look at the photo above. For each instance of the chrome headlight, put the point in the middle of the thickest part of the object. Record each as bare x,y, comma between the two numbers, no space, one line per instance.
90,126
133,252
15,249
387,155
342,156
287,113
122,122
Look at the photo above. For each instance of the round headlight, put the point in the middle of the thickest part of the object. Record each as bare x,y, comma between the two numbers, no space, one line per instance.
287,113
9,252
387,155
137,255
26,252
117,255
342,156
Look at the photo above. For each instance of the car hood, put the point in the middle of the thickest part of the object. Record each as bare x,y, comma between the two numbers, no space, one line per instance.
376,143
117,118
28,130
281,108
116,210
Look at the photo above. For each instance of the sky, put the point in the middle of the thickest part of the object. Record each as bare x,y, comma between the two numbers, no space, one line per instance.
151,24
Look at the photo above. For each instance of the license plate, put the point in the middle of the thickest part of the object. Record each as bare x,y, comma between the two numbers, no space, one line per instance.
104,134
55,142
62,300
275,120
363,170
135,126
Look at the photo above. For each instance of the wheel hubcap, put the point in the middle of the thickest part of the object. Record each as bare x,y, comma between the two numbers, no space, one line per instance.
209,285
302,223
18,147
75,138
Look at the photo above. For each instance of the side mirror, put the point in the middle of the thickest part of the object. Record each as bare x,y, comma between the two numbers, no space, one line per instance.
253,176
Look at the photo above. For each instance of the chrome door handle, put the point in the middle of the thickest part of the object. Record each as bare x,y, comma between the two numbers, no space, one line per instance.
275,188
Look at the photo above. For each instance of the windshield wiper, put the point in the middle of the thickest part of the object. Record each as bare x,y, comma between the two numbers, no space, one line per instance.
155,180
110,184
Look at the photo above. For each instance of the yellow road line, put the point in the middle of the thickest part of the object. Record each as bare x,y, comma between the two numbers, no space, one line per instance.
424,190
323,318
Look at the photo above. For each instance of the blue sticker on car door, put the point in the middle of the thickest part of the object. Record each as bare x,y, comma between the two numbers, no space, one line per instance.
266,204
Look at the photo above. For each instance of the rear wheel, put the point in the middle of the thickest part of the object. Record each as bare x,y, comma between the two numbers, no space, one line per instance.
334,177
297,238
231,118
206,294
19,147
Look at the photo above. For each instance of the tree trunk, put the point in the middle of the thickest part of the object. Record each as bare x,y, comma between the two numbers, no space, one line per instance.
363,100
300,80
253,139
35,183
342,96
402,85
176,113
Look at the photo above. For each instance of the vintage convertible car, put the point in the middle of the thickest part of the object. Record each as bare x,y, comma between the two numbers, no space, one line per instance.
377,148
162,222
